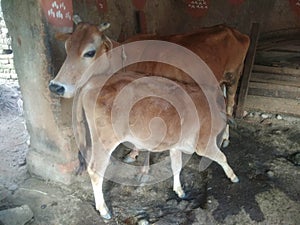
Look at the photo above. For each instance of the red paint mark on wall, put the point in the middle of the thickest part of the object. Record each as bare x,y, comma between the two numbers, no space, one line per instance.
197,8
295,5
236,2
139,4
58,12
101,5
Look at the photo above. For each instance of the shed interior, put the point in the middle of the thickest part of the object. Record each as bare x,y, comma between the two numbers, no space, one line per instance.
273,87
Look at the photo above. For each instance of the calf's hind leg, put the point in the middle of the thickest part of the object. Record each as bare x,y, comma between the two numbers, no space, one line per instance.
131,156
215,154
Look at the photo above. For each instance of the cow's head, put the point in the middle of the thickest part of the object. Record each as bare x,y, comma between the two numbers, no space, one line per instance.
83,47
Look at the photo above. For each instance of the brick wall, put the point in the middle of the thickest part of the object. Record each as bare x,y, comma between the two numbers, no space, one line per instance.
7,69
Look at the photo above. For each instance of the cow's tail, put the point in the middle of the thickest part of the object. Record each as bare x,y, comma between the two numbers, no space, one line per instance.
78,115
82,164
231,121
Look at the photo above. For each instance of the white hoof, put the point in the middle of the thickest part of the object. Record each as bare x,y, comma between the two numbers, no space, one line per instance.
180,193
104,212
225,143
235,179
129,159
106,216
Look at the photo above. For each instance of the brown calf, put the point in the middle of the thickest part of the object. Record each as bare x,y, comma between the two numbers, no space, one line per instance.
99,107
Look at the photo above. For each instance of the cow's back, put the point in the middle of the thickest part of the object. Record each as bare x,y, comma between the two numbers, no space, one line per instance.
144,110
222,48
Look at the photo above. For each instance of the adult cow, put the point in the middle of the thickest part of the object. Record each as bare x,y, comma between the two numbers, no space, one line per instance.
222,48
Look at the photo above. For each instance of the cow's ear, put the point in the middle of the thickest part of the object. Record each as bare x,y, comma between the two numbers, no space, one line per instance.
76,19
62,36
104,26
107,43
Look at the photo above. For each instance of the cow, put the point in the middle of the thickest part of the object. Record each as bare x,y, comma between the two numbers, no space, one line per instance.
88,43
98,107
221,47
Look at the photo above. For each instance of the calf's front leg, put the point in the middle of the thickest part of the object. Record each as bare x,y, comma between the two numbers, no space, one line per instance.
97,182
96,170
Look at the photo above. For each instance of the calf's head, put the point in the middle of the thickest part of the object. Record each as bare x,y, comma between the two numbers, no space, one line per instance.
83,47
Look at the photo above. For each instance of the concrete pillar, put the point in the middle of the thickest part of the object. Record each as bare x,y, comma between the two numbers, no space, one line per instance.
52,154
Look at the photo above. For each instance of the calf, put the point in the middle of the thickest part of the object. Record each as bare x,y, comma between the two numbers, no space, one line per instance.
195,129
86,46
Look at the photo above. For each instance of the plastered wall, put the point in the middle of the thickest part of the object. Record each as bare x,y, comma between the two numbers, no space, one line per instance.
7,69
176,16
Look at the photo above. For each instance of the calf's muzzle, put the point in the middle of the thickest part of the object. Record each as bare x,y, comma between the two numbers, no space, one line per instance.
57,89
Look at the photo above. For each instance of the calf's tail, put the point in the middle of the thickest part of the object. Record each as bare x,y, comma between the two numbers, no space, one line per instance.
82,164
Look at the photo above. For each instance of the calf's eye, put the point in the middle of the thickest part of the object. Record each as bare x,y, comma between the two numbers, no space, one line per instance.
90,54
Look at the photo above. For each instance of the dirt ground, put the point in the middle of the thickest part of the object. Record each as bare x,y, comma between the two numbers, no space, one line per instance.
263,153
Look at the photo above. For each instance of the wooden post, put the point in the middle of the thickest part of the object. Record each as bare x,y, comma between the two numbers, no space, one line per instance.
140,16
247,70
141,22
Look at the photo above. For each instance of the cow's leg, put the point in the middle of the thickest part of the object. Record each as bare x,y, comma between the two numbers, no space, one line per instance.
176,164
231,89
143,176
229,94
102,145
96,170
97,181
146,164
215,154
225,137
231,99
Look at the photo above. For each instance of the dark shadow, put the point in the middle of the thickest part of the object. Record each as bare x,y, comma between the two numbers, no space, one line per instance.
249,159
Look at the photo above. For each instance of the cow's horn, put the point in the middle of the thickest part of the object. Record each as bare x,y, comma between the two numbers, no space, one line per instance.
104,26
77,19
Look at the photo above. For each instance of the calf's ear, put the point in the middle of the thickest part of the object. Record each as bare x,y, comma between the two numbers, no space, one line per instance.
76,19
62,36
